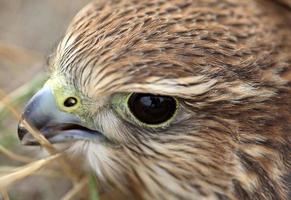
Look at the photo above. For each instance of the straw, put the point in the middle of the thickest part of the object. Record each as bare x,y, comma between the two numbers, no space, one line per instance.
23,172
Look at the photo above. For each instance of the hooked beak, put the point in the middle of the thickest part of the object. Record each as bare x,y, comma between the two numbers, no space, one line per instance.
42,113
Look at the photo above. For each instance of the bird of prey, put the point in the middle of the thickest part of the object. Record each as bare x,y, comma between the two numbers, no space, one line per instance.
174,99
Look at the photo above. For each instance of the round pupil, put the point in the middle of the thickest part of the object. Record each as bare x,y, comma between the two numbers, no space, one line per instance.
152,109
71,101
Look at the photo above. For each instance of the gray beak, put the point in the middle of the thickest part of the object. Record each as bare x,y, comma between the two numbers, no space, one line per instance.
43,114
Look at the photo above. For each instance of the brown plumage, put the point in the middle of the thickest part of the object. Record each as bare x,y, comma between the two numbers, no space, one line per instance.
228,62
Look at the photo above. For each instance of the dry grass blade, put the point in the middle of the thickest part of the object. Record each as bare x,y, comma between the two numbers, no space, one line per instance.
22,172
4,194
70,172
40,138
13,156
76,189
49,173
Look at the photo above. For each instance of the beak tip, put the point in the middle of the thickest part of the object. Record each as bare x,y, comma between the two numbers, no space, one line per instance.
21,130
25,138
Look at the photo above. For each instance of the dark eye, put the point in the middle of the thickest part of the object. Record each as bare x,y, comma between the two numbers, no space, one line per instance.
70,102
152,109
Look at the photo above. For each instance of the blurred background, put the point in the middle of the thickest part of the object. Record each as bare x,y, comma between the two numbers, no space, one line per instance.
29,32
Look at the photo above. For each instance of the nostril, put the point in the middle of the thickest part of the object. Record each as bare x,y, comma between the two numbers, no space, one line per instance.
21,131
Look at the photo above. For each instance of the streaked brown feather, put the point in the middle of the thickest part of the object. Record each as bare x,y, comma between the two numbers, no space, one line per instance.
228,62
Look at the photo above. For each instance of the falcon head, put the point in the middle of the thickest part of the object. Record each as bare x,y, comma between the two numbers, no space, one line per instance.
173,99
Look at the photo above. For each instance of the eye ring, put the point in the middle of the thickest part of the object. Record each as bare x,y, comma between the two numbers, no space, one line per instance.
150,109
70,102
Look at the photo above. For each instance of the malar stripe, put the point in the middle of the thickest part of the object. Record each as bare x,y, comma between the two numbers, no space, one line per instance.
221,196
267,184
240,191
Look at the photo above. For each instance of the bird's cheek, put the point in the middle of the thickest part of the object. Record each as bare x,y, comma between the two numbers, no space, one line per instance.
114,128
